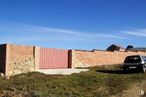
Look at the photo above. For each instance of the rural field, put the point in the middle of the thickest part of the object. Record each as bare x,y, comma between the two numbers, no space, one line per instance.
105,81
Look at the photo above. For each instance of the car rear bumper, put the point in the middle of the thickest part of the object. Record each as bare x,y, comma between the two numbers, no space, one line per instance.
133,67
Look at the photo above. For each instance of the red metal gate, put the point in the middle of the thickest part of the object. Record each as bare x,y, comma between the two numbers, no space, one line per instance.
53,58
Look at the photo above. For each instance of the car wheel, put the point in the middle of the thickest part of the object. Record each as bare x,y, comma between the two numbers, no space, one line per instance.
143,69
125,70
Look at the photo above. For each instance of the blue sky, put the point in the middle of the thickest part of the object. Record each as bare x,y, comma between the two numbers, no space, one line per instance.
73,24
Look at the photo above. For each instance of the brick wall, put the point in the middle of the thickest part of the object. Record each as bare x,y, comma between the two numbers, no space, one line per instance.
2,58
98,58
23,59
15,59
20,59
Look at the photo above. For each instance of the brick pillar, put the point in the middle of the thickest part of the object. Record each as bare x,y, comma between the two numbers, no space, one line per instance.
69,58
73,59
3,58
7,69
36,58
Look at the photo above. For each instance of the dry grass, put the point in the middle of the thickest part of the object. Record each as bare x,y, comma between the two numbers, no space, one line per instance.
98,82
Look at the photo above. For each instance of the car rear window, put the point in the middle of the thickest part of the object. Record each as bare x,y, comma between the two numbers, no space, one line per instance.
132,59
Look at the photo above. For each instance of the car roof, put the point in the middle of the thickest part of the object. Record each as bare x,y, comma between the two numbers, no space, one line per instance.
136,55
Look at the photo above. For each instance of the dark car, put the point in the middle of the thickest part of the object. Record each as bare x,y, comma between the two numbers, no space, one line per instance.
135,62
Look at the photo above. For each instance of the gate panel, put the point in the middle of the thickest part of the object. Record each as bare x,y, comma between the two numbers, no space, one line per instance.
53,58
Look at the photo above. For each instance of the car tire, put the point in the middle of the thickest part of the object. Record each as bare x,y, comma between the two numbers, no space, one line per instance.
143,69
125,70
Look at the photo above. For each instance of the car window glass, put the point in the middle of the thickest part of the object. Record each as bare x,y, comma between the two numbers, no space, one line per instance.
133,59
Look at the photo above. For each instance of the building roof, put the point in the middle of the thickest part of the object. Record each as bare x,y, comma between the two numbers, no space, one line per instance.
138,49
115,47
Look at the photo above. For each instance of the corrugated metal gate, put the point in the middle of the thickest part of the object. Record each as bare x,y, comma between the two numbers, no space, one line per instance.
53,58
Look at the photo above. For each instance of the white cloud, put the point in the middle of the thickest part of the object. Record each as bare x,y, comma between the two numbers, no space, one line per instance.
24,32
139,33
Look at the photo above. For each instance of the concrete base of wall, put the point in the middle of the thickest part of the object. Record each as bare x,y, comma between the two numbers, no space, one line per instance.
62,71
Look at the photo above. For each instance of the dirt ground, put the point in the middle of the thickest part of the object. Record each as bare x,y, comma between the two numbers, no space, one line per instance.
136,90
